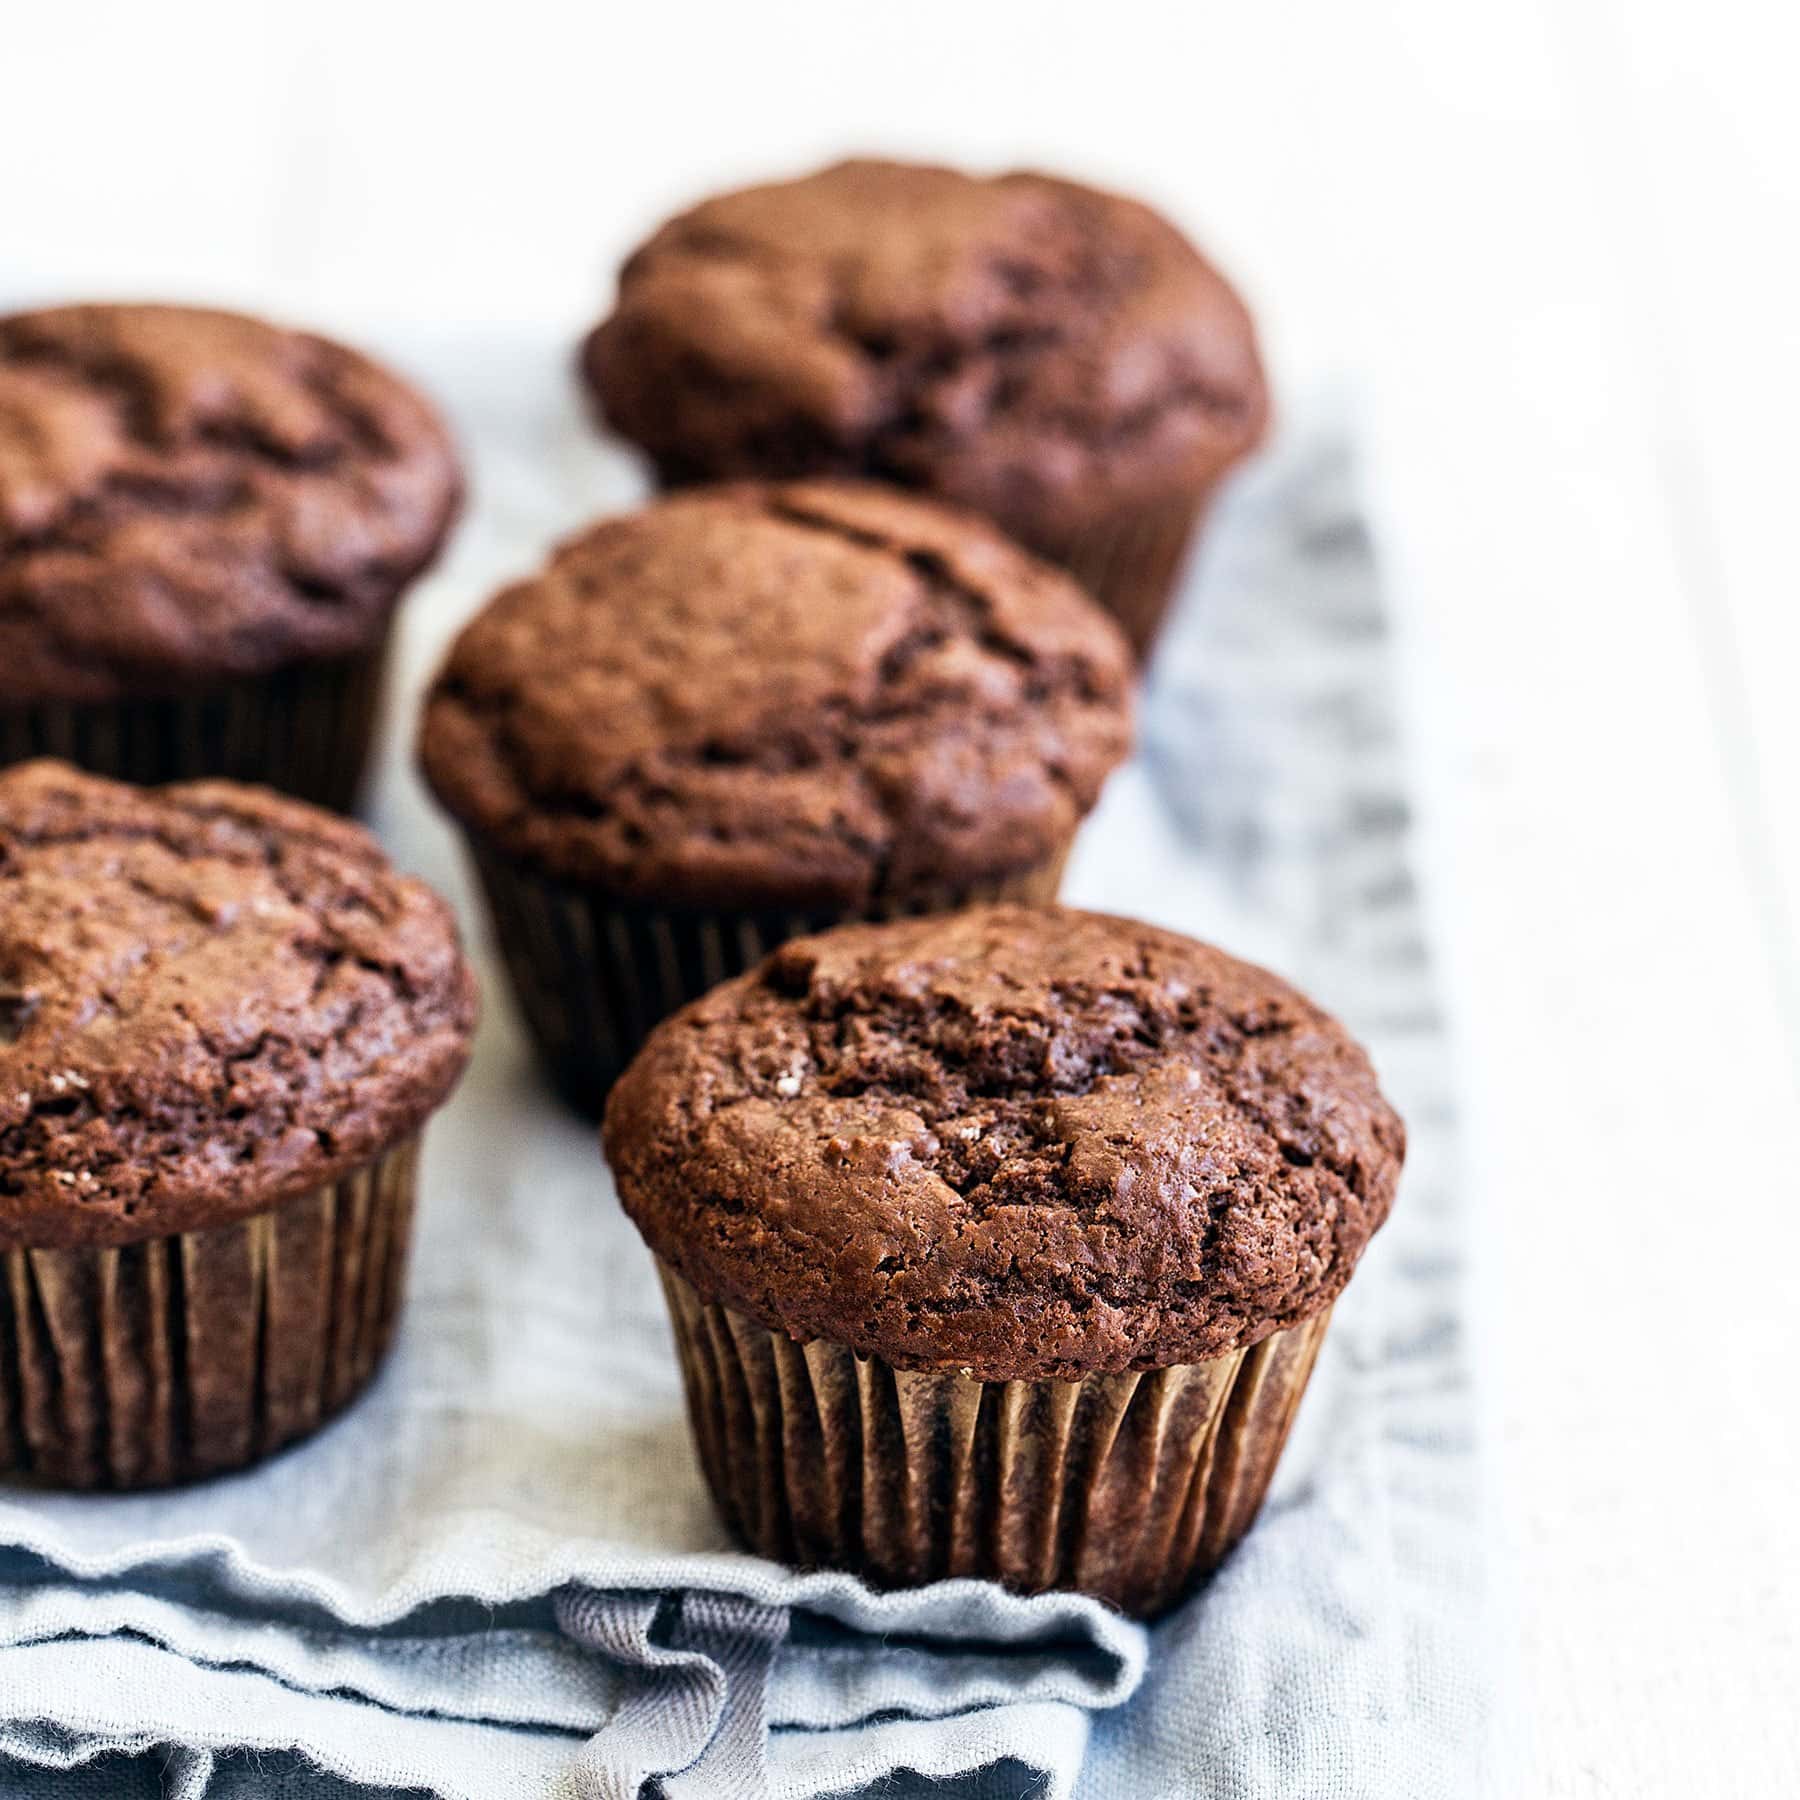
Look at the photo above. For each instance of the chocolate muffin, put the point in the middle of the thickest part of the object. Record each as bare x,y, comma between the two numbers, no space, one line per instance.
751,711
1001,1244
205,524
1061,359
224,1021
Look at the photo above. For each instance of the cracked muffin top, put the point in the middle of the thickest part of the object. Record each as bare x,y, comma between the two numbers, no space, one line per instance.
1037,350
813,693
191,495
1026,1142
211,999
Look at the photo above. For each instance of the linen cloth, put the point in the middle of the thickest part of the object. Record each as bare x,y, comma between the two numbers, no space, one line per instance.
500,1575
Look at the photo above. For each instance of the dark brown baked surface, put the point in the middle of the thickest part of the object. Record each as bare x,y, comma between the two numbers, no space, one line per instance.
812,694
1026,1142
1040,351
211,998
189,495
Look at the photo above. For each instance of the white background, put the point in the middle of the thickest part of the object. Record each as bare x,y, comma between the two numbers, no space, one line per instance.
1551,247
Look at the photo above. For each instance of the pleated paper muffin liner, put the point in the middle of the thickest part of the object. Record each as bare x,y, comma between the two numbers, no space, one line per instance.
1133,563
305,730
593,975
201,1351
1130,1487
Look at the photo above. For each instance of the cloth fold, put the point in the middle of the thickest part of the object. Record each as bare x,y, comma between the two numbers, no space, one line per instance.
500,1573
701,1716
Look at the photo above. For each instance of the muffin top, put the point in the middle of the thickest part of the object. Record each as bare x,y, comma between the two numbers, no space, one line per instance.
1037,350
805,694
211,999
190,495
1026,1142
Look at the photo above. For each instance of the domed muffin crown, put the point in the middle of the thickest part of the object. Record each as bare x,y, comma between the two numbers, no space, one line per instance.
1035,349
803,694
210,998
188,495
1026,1142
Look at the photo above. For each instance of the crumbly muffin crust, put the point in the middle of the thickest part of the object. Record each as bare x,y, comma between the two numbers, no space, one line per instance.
1027,1142
211,998
194,495
803,694
1038,350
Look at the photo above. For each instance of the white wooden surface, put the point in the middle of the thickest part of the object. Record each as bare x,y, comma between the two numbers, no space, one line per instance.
1551,245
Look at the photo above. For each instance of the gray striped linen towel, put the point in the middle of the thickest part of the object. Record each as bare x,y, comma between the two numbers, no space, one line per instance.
499,1575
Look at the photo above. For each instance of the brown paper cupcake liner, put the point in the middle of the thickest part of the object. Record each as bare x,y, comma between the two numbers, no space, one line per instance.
1132,565
593,975
305,730
1130,1487
189,1354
